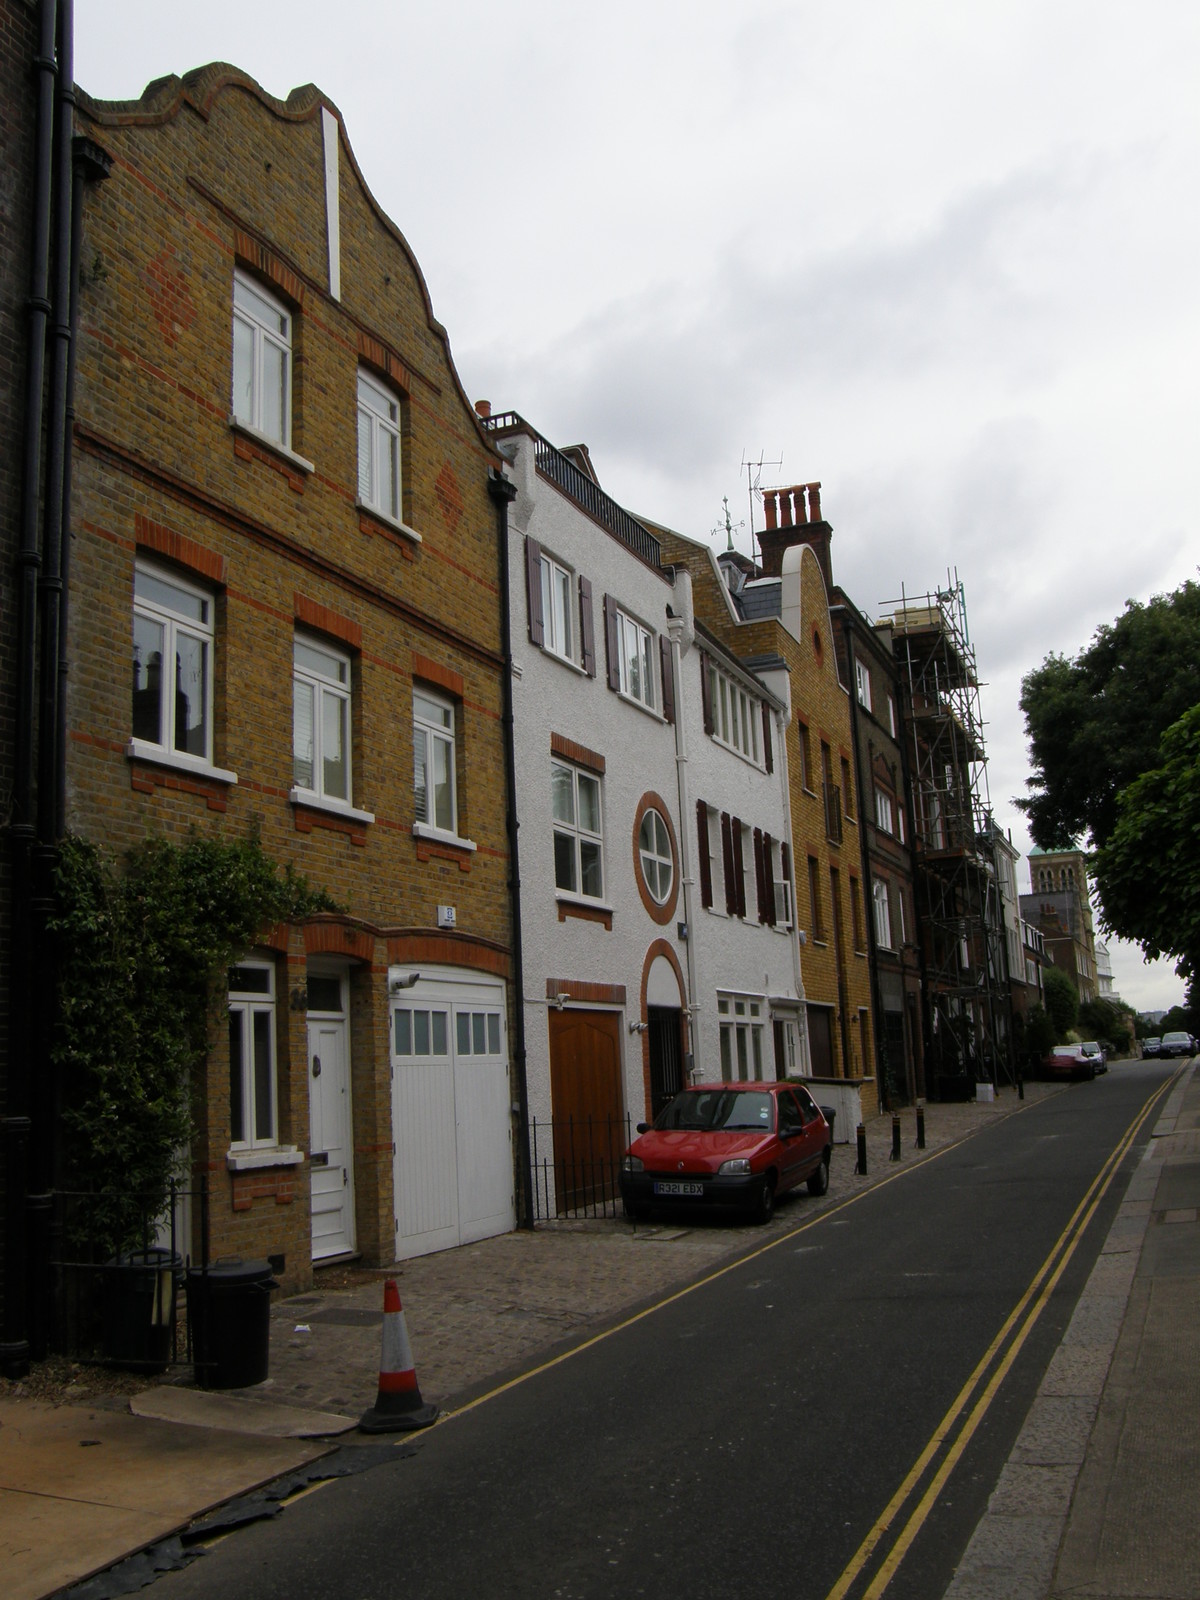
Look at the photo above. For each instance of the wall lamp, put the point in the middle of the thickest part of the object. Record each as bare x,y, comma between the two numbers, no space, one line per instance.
560,999
408,982
639,1027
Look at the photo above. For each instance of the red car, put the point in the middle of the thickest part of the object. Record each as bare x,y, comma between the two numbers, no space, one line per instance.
736,1145
1068,1061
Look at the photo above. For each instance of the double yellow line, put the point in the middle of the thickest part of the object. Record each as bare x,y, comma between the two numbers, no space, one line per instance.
956,1429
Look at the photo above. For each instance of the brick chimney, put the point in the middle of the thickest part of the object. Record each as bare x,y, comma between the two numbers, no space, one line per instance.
794,517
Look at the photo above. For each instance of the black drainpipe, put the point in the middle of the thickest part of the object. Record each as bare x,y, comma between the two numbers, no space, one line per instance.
503,494
866,804
15,1345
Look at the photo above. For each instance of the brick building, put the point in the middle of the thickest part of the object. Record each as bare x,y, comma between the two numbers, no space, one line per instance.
777,618
280,485
1060,906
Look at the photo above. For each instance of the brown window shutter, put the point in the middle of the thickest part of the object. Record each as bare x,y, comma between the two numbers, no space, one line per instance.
728,864
767,750
769,877
758,875
785,861
587,626
610,642
705,858
533,590
739,868
668,677
706,693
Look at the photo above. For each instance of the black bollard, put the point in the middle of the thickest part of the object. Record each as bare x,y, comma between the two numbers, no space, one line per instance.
1020,1086
920,1124
861,1167
895,1136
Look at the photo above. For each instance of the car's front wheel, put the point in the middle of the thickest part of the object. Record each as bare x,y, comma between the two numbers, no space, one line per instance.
818,1181
764,1201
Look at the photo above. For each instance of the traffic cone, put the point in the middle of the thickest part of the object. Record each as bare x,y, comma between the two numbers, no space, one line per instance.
398,1405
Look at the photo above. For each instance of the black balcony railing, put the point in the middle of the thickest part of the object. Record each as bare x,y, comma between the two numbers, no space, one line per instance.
575,1164
577,486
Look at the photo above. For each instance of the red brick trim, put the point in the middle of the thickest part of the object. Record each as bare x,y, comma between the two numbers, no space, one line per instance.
324,620
338,939
428,851
176,547
376,354
253,253
276,938
660,914
264,1183
560,745
567,908
443,677
307,820
146,779
372,525
247,450
597,994
448,950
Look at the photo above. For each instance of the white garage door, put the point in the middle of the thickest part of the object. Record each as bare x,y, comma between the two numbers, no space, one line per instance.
451,1116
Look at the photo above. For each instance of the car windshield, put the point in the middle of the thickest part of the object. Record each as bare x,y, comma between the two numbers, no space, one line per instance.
717,1110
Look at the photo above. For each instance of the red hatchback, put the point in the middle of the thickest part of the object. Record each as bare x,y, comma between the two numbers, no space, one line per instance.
728,1145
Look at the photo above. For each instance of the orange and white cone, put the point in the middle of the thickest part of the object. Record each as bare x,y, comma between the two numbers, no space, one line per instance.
399,1404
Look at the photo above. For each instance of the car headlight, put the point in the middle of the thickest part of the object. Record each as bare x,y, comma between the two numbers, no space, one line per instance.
633,1164
738,1167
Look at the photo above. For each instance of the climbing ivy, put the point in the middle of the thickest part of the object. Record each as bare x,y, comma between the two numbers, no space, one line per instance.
141,949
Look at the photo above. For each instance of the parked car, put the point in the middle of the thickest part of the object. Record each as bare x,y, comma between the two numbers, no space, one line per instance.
1095,1052
728,1145
1068,1061
1151,1046
1177,1044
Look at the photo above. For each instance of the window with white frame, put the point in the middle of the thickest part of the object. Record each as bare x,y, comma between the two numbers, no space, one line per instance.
782,880
578,831
742,1029
252,1088
635,654
378,447
321,720
558,633
172,664
262,361
862,683
735,714
434,761
884,814
901,935
891,705
656,857
882,912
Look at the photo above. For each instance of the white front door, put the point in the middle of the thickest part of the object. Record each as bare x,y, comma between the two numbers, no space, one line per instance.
451,1116
330,1127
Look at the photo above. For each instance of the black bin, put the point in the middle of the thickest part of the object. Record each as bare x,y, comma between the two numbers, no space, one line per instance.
138,1308
830,1116
229,1318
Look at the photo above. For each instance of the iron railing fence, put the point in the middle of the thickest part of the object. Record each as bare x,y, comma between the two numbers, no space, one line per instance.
123,1305
575,1162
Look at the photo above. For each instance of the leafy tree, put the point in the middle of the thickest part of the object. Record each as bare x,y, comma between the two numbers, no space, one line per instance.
1040,1035
140,954
1094,722
1148,871
1103,1019
1061,1000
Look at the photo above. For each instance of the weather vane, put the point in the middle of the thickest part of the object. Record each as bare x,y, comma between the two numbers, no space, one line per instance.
727,525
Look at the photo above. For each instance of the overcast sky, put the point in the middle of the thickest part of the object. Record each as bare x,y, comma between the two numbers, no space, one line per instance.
945,260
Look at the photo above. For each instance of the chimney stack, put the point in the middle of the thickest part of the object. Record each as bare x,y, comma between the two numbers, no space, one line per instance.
793,516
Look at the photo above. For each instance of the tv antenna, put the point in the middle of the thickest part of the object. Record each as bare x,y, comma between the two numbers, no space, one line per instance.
754,472
728,526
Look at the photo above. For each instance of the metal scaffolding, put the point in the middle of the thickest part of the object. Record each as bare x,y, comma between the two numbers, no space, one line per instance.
959,913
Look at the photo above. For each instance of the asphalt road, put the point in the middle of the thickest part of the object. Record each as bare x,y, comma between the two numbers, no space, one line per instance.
746,1437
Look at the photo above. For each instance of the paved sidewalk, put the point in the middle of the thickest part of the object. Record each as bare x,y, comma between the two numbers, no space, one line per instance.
481,1313
1101,1495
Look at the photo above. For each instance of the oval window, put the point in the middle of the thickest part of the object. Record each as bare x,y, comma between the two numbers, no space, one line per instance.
658,864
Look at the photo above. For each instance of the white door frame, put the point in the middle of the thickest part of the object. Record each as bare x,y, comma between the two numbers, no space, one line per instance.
329,1021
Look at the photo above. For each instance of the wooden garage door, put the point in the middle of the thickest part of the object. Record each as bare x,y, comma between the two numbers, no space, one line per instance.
585,1086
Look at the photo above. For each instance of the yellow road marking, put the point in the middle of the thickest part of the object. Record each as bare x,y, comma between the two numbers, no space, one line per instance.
1067,1246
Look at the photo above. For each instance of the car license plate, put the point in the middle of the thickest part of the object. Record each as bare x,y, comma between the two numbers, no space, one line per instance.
678,1186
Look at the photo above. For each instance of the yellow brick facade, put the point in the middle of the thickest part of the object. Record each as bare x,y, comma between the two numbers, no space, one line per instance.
210,175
